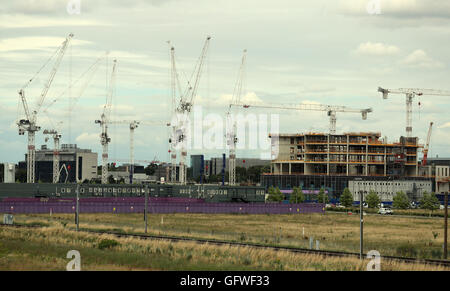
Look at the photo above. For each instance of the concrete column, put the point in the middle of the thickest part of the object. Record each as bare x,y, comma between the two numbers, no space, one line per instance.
328,154
290,168
348,140
385,149
367,155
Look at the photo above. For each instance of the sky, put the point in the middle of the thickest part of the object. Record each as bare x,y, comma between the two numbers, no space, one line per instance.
328,52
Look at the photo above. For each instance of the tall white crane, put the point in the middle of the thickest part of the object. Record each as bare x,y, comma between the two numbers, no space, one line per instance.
56,138
103,122
231,135
185,107
410,93
133,124
30,123
427,145
330,109
175,91
182,110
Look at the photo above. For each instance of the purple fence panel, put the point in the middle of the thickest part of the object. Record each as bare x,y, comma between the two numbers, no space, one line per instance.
157,205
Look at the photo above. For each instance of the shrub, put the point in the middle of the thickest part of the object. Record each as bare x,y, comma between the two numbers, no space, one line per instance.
372,199
322,197
108,244
401,201
346,198
429,201
406,250
275,195
297,195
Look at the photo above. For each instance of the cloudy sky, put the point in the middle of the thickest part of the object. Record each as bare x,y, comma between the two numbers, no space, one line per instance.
330,52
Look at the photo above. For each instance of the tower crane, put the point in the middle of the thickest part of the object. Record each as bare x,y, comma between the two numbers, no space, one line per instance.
103,122
133,124
175,90
56,138
30,123
410,93
330,109
55,133
183,109
231,135
427,145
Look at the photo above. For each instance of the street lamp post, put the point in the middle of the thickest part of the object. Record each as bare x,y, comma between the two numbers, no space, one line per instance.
445,224
361,225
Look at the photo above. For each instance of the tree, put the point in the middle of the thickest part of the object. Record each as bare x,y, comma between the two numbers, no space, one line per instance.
241,174
401,201
275,195
372,199
322,197
346,198
430,202
297,195
111,180
151,169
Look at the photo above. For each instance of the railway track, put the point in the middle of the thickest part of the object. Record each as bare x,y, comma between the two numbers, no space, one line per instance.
324,253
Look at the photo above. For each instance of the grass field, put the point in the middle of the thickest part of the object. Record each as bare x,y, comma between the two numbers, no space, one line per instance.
46,248
390,235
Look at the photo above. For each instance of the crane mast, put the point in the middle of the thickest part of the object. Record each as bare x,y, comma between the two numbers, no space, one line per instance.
185,109
174,82
330,109
231,136
56,139
410,93
179,130
29,124
103,122
427,145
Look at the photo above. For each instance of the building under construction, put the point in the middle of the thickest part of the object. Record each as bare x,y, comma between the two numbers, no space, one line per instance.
316,160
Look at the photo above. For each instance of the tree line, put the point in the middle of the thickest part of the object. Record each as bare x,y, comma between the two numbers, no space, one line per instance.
429,201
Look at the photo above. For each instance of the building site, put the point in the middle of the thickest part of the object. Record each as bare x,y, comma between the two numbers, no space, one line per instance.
209,137
359,161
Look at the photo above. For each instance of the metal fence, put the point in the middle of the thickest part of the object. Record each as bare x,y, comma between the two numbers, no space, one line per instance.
155,205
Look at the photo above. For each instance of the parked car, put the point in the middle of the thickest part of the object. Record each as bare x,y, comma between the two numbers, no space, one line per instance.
385,211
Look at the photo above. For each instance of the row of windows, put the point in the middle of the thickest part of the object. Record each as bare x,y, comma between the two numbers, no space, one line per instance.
389,184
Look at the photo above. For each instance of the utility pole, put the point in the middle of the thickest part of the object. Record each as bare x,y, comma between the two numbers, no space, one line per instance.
361,225
445,224
145,207
77,207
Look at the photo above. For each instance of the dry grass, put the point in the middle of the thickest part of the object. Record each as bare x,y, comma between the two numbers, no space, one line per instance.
334,231
45,249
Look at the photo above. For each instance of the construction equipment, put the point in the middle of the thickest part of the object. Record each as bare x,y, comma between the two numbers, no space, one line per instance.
56,138
410,94
427,145
180,130
30,123
330,109
231,122
103,122
133,125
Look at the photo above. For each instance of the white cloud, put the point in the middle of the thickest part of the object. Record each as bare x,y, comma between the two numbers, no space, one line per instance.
88,138
377,49
399,8
420,59
24,21
445,125
35,43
